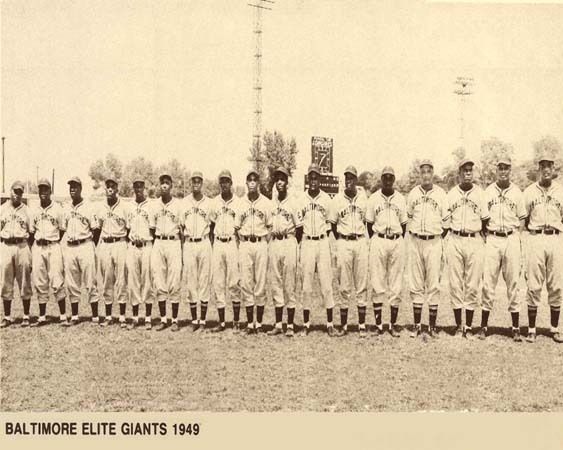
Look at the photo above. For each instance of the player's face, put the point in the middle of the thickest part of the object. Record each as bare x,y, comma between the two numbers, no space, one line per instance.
281,182
139,189
387,181
426,175
165,186
503,172
226,185
44,193
350,181
466,174
546,170
197,184
111,190
16,196
252,183
314,181
75,190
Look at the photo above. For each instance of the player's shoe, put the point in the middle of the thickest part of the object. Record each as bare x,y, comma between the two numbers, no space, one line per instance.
195,325
161,326
132,325
275,331
219,328
483,333
433,332
394,331
175,327
458,331
304,332
342,332
148,324
468,334
417,331
74,321
236,327
250,330
363,333
123,324
289,332
95,320
331,331
25,322
558,337
516,335
65,323
106,322
39,323
531,338
5,323
378,330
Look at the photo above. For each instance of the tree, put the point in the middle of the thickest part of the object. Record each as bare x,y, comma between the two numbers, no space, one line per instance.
100,170
547,145
491,151
139,168
181,183
450,173
406,182
369,182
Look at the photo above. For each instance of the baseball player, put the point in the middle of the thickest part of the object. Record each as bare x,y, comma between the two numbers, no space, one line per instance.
82,231
253,224
141,225
314,207
427,211
46,254
467,213
386,218
287,231
166,255
112,251
544,207
15,254
347,218
225,251
197,250
505,206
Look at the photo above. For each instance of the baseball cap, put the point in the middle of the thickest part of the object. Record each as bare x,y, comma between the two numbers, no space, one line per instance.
465,161
74,180
546,157
197,174
314,168
388,170
44,182
351,170
425,162
504,160
163,176
225,174
283,170
252,171
111,179
17,185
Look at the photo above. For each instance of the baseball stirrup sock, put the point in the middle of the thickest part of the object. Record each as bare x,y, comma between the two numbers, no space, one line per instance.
515,319
484,318
555,311
394,314
328,315
361,315
468,318
135,310
250,315
7,308
279,315
175,308
307,315
122,307
377,310
62,306
74,309
236,311
42,310
203,311
162,308
344,317
432,316
108,311
221,312
148,311
193,311
457,316
532,313
290,316
417,314
93,307
27,304
259,314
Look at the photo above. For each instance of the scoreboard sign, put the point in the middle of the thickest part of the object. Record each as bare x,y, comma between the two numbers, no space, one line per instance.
321,153
328,184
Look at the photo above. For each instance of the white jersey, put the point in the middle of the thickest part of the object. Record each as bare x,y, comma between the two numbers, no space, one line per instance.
168,217
46,223
387,214
505,207
427,211
140,221
79,220
314,213
285,217
349,214
223,214
254,218
14,222
113,219
544,207
196,216
466,209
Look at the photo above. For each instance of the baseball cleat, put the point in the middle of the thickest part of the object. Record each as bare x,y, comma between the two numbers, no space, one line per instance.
161,326
132,325
378,331
5,323
175,326
417,331
219,328
342,332
123,324
468,334
331,331
458,331
65,323
394,331
74,322
148,325
304,332
25,322
250,330
363,333
531,338
289,332
275,331
195,325
483,333
433,332
39,323
106,322
236,327
516,335
558,337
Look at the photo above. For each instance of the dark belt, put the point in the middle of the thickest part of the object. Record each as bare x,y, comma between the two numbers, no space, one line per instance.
77,242
281,237
425,237
501,233
463,233
13,241
45,242
111,240
549,232
316,238
189,239
140,244
351,237
251,238
391,237
167,238
221,239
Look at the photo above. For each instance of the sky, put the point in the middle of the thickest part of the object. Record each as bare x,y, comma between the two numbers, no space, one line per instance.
173,78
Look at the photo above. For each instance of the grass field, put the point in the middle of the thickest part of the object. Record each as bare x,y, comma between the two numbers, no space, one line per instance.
89,368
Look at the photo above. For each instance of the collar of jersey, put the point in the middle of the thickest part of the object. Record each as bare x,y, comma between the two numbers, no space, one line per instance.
77,205
387,198
422,191
502,190
114,206
462,192
49,206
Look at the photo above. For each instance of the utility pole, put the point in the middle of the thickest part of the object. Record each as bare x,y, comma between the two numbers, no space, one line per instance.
462,91
3,167
259,6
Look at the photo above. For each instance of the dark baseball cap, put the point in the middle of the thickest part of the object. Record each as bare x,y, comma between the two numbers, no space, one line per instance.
17,185
74,180
425,162
164,176
351,170
225,174
464,162
197,174
283,170
314,168
252,171
44,182
111,179
388,170
504,160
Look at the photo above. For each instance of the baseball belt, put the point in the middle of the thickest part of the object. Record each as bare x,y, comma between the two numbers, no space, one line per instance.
351,237
425,237
224,239
13,241
463,233
391,237
167,238
251,238
140,244
76,242
547,232
501,233
316,238
189,239
111,240
280,237
45,242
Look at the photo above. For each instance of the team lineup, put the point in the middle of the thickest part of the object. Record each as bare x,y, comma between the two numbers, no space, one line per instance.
169,250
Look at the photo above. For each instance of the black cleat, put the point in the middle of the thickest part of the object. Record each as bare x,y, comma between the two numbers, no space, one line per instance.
394,331
516,335
275,331
483,333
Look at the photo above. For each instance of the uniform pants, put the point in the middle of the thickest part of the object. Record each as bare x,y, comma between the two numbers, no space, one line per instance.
316,255
253,266
197,270
47,263
465,269
424,260
15,263
225,269
111,263
166,267
352,259
502,254
139,276
386,262
80,271
283,256
545,264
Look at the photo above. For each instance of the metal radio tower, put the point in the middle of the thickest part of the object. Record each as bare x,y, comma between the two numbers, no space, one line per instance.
463,90
259,6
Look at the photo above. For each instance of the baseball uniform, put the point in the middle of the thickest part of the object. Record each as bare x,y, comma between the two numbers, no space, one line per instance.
15,254
464,249
503,247
426,211
544,208
140,221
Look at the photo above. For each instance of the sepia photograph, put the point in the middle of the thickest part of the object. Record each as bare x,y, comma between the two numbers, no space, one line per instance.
289,206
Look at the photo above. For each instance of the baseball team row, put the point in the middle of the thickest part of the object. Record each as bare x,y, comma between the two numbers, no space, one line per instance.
146,250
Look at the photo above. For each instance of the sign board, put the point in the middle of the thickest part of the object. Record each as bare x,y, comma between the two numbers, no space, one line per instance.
328,184
321,153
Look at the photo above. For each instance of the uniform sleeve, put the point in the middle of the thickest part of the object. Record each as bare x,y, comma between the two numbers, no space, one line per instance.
332,215
61,217
31,220
521,207
297,215
152,215
403,211
268,214
447,217
96,219
238,215
410,208
484,207
527,203
64,219
370,210
443,207
213,210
